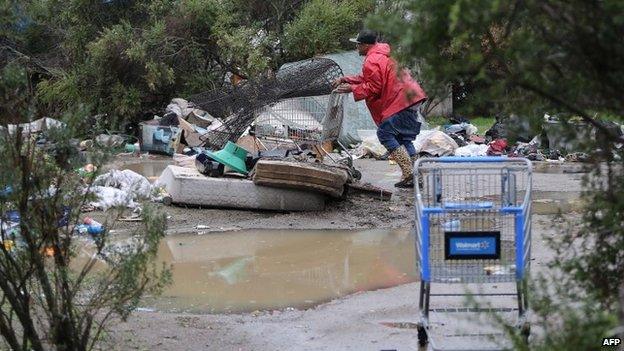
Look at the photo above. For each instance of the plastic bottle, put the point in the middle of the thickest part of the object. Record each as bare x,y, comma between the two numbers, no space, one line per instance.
95,230
82,229
91,221
13,216
452,225
93,226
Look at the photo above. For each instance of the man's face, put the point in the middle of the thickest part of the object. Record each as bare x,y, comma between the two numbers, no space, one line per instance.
363,48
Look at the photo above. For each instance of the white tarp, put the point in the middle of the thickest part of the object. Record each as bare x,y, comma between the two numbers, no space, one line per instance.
126,180
108,197
435,143
40,125
120,189
472,150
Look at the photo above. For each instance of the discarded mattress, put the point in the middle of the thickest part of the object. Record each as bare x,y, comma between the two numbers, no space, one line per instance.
188,186
303,176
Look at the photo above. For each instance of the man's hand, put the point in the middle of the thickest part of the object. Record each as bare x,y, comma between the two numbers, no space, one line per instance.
337,82
343,88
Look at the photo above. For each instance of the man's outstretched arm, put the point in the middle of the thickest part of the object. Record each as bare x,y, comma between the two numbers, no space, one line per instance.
354,79
370,86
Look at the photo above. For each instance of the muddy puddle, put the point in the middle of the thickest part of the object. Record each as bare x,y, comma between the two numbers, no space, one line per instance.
265,270
555,202
150,169
559,168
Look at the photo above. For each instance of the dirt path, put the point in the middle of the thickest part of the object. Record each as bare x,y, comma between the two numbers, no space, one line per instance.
349,323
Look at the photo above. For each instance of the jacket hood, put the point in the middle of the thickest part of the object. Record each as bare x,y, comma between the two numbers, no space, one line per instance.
380,48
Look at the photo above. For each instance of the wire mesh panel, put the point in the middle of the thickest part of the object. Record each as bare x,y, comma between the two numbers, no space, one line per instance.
332,122
236,106
296,119
313,119
444,270
486,205
454,186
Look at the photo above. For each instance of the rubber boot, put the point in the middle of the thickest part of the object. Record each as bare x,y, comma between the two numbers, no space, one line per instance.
402,158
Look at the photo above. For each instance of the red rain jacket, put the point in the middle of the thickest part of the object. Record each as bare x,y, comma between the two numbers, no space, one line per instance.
384,91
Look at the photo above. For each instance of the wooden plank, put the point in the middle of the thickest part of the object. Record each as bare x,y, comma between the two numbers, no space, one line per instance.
290,184
302,172
300,175
370,190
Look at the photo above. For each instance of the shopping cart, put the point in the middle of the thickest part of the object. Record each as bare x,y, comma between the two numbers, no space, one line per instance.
473,227
305,120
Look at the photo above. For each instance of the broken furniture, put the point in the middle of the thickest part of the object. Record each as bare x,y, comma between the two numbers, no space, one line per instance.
303,176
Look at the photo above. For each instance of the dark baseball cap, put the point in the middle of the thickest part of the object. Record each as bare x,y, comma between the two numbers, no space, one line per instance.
365,36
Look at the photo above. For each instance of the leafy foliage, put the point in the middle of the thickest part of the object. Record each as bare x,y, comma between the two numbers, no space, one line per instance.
127,59
324,26
52,293
523,55
528,58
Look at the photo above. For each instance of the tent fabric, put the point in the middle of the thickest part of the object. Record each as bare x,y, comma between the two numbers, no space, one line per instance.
356,115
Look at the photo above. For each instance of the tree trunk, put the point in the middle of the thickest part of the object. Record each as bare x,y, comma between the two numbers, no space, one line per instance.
621,312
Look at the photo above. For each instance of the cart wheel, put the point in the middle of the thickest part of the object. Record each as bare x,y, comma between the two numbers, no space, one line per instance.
525,331
167,200
356,174
422,336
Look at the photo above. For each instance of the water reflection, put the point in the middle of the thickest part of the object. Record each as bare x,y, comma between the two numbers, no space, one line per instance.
150,169
255,270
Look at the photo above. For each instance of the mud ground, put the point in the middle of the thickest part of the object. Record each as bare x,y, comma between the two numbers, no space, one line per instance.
353,322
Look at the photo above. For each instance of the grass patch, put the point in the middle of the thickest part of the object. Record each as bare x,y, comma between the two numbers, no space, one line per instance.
483,123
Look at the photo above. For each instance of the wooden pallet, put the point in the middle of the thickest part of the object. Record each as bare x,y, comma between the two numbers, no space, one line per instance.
303,176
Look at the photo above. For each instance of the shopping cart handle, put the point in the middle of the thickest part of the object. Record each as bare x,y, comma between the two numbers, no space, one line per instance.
467,206
474,159
473,206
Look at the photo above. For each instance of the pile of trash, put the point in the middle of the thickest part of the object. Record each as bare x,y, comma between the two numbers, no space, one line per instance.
272,168
185,131
182,125
119,188
461,138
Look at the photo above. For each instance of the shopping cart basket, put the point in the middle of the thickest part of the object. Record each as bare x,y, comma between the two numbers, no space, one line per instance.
473,226
305,120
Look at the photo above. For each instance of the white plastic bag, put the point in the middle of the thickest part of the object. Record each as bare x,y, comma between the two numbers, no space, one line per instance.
108,197
472,150
185,161
435,143
136,185
370,144
422,137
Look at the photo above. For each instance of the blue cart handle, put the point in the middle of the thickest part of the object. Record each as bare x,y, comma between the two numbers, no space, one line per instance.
474,159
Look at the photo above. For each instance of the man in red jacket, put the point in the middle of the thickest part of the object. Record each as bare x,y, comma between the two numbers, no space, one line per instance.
393,99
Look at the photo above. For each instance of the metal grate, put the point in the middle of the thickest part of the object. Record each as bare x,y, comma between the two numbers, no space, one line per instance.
313,119
237,107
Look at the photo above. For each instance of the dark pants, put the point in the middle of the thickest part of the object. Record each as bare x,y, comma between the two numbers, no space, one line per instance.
399,129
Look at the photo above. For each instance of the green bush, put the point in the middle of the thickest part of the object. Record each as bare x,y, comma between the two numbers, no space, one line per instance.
127,59
323,26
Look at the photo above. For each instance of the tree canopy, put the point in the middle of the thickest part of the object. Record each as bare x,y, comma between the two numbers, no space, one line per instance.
520,60
127,58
